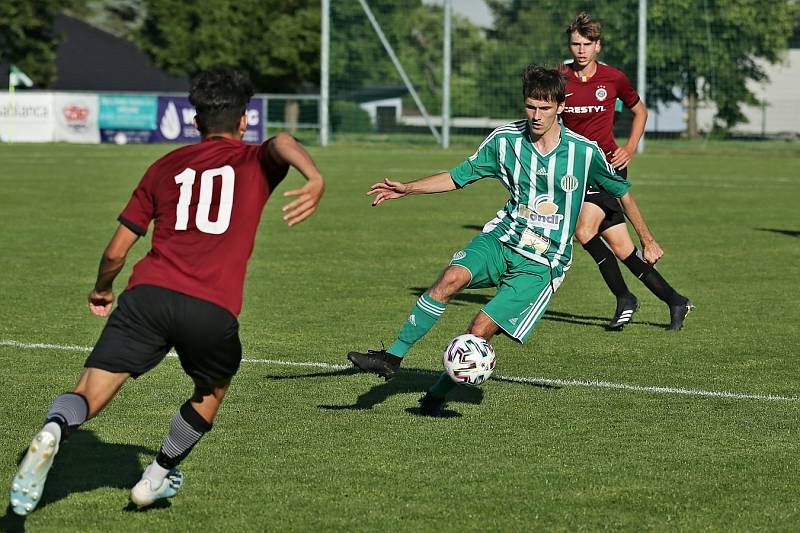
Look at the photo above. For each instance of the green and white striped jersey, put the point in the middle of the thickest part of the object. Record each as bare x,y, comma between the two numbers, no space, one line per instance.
547,190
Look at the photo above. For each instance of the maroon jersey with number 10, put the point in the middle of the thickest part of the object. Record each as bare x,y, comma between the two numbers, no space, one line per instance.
206,200
589,108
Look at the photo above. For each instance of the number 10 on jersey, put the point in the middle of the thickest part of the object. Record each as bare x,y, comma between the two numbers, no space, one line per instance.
186,179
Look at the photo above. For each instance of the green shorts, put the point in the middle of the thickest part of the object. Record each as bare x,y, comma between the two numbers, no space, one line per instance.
524,287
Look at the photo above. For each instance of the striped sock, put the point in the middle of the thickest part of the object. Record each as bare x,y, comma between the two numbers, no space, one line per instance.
68,411
422,318
185,431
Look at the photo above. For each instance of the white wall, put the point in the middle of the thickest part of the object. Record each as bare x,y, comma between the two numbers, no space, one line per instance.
782,95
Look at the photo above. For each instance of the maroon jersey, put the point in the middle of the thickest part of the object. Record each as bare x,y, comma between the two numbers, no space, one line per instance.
589,108
206,200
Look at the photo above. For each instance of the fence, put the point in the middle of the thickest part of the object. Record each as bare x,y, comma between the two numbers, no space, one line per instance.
709,65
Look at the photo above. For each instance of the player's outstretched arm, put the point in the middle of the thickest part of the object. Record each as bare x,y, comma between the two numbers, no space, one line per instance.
285,150
102,297
650,248
392,190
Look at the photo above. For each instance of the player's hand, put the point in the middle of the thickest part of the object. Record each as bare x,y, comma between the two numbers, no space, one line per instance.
622,156
100,302
308,197
387,190
652,252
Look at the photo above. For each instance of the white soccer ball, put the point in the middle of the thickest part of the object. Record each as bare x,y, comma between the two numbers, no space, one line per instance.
469,359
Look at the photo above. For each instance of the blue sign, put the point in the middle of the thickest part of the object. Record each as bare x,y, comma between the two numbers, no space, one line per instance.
136,112
175,122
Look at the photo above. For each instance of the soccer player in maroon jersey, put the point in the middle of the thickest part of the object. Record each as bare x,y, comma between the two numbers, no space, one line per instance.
592,90
206,201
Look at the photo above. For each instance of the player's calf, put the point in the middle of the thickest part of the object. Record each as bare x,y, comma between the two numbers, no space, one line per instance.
162,479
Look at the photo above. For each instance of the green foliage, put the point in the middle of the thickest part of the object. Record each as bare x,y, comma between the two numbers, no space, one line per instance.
27,37
276,41
415,32
711,49
117,17
706,49
349,117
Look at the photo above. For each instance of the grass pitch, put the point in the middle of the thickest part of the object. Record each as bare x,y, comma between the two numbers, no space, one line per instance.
298,447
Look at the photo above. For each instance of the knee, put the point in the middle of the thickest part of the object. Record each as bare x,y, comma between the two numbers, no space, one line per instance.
584,234
452,280
622,247
484,331
483,326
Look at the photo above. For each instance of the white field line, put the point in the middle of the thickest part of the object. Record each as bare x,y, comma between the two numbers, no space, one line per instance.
515,379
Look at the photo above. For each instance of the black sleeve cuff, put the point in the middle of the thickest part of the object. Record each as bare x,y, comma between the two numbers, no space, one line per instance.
274,171
131,226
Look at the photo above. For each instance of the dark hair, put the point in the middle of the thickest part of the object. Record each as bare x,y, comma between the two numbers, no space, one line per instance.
586,27
541,83
219,96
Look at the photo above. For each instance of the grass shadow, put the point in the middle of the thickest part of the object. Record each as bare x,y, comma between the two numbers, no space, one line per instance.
595,321
787,232
408,380
461,298
85,463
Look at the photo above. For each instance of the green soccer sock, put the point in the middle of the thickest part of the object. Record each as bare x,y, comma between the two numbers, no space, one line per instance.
422,318
442,386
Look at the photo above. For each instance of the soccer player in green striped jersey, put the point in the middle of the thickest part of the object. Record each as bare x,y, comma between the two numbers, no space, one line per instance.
526,249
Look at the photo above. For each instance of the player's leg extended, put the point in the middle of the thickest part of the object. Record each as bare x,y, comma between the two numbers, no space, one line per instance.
587,231
429,307
206,338
162,479
620,241
427,310
523,294
68,411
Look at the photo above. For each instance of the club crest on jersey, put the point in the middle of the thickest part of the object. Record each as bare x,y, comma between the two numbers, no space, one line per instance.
601,93
461,254
569,183
544,213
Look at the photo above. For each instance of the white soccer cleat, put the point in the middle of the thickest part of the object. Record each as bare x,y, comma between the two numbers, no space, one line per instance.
28,482
143,493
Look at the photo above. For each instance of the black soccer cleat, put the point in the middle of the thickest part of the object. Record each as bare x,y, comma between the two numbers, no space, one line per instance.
626,307
378,362
430,405
678,313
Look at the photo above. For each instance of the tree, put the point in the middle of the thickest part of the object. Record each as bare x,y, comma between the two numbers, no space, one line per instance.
27,37
415,31
697,49
720,46
122,18
276,41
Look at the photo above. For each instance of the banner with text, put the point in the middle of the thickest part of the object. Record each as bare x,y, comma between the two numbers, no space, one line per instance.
127,118
176,115
26,117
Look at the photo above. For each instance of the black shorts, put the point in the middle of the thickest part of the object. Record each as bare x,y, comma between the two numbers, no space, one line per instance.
149,321
608,203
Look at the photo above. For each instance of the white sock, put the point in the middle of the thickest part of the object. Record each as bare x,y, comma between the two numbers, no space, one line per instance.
55,430
156,474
